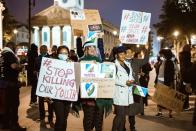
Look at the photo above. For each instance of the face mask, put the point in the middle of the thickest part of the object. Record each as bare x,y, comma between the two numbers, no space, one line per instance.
173,58
63,57
162,58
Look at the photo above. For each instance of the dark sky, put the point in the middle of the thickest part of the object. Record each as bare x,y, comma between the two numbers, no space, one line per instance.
110,10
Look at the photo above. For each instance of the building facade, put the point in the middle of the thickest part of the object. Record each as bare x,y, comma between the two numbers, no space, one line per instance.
52,26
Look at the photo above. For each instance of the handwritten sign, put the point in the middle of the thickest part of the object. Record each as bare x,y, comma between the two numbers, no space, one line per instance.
92,17
57,80
169,98
97,80
134,27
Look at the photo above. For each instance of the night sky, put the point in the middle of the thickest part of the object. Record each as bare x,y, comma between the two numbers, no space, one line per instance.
110,10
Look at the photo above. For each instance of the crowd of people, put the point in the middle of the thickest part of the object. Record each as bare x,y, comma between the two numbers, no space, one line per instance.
131,68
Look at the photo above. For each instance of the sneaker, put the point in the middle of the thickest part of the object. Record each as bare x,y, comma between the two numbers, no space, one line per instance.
159,114
187,109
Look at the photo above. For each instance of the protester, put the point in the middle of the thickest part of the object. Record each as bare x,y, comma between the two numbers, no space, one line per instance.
122,94
32,78
185,65
136,64
144,79
93,108
54,52
62,107
43,53
157,66
73,56
10,72
166,74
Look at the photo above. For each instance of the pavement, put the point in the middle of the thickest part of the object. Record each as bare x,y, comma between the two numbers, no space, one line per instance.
29,117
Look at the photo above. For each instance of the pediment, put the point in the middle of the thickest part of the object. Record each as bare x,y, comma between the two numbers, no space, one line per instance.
52,15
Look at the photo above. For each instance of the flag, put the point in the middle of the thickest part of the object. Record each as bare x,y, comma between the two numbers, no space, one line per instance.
139,90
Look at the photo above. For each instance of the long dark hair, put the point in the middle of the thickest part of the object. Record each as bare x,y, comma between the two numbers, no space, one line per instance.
62,47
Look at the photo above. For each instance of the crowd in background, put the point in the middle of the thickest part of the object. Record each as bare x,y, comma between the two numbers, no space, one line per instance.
131,68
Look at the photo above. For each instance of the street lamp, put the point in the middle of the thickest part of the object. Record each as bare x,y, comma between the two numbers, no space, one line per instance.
159,38
115,33
176,34
15,31
193,39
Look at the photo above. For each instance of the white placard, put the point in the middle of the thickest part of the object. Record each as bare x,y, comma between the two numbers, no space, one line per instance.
135,27
57,80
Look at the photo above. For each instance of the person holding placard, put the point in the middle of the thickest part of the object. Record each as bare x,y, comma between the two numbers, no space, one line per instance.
166,74
61,107
93,108
123,95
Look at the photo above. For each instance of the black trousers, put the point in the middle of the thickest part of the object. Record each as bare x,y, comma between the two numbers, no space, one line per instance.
42,111
93,117
132,122
33,90
119,119
10,117
61,109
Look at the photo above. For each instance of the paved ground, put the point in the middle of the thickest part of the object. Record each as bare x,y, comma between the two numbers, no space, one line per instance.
182,122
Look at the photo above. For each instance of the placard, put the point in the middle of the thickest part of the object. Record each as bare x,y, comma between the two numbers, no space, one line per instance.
99,82
57,80
169,98
135,27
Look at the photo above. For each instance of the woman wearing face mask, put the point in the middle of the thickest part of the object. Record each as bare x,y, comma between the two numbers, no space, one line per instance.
123,96
62,107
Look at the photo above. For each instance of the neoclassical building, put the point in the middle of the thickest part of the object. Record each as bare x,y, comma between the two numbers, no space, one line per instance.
52,26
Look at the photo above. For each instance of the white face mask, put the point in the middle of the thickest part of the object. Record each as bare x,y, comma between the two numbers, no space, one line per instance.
63,57
162,58
173,58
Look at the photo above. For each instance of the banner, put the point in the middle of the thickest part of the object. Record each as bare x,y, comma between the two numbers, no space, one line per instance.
97,80
57,80
134,27
169,98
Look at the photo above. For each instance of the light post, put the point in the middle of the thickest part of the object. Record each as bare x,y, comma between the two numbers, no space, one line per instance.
15,33
159,38
176,34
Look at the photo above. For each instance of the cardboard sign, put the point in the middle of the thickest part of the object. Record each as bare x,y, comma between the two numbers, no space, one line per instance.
92,17
97,80
134,27
169,98
57,80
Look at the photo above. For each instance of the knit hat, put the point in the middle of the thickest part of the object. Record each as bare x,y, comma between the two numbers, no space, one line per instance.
89,43
120,48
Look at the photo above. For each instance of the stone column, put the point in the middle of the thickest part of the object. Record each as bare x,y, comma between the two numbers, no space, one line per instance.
1,27
40,36
51,39
61,35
